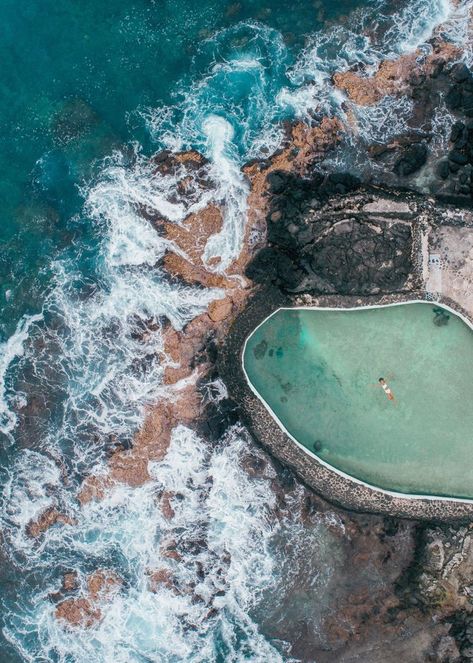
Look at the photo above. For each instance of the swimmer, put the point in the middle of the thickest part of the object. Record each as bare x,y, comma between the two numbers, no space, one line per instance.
386,389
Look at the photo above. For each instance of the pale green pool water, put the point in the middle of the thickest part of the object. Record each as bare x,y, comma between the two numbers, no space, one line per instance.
318,371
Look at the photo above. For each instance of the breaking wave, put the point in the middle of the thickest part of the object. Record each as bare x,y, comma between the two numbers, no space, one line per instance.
76,378
221,519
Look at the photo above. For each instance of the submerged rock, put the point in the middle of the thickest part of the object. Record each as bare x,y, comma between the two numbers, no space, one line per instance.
74,119
47,519
411,160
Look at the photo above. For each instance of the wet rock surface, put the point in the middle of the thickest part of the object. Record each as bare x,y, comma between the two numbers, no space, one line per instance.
85,609
400,590
45,520
331,242
323,243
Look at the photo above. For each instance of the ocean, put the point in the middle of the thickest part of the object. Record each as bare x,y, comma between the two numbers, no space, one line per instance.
89,92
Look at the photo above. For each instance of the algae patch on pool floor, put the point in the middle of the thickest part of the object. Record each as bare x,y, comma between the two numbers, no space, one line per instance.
318,372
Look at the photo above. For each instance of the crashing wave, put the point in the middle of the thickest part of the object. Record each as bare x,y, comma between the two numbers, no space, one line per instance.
95,351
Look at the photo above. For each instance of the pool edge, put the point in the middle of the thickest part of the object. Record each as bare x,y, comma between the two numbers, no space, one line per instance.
333,484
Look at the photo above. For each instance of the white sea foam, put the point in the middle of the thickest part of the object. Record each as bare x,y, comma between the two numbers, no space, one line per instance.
457,28
221,519
232,192
30,488
100,355
228,130
340,48
414,24
384,120
10,350
442,121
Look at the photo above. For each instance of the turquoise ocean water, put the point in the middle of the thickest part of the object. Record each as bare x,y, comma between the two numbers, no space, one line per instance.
88,91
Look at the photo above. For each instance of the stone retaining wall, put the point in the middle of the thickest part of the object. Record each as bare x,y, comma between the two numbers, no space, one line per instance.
333,486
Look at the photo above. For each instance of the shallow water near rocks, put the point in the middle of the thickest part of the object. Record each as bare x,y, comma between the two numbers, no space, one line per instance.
90,91
318,371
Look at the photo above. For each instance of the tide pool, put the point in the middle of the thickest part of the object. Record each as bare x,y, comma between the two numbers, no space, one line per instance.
318,371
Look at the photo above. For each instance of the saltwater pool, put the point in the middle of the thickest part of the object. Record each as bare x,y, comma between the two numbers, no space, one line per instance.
318,370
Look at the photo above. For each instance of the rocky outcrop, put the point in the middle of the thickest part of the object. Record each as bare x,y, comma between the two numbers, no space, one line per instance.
85,611
441,579
460,96
458,165
396,77
162,578
45,520
428,81
130,466
350,246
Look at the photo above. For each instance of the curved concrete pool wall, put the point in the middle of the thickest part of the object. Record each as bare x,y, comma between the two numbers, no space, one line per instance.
332,484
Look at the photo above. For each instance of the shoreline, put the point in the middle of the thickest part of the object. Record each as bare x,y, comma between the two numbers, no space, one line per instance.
209,345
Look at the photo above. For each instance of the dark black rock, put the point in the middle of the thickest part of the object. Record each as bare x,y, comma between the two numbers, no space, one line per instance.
443,169
262,269
161,156
467,105
340,183
457,130
313,253
276,181
413,158
460,96
460,72
454,97
458,157
289,274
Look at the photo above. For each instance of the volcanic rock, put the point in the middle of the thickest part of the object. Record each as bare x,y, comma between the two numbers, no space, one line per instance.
86,611
411,160
45,520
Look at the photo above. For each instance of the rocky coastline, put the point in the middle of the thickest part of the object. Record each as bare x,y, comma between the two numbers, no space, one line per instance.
361,249
312,237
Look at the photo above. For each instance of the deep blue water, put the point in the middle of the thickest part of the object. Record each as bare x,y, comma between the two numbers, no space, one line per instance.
88,91
74,78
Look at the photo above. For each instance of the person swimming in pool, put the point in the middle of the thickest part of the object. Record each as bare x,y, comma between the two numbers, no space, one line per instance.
386,389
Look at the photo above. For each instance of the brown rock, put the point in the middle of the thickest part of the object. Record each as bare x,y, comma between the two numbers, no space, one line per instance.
46,519
168,550
94,487
160,578
193,234
393,77
70,581
220,309
78,612
178,266
85,611
103,583
166,506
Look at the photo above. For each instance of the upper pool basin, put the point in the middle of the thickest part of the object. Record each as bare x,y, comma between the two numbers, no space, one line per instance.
318,371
